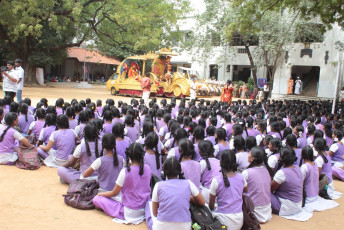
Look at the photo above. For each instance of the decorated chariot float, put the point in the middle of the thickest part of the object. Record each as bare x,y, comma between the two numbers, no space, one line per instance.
127,79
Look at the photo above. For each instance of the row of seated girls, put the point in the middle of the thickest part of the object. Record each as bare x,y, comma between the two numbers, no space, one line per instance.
282,154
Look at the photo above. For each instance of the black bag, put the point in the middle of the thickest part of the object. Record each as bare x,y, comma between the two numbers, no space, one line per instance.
81,193
203,217
250,219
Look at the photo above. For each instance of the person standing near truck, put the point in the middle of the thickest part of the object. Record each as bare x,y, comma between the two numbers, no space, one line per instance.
145,85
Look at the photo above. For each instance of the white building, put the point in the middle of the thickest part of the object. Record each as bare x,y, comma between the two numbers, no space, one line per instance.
315,63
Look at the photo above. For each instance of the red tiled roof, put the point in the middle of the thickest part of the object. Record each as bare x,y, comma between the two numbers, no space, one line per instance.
92,56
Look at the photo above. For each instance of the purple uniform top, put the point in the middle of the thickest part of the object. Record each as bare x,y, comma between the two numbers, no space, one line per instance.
242,160
302,142
121,146
209,175
136,189
211,139
258,186
23,124
197,155
221,148
73,123
298,155
85,159
192,172
150,160
8,143
65,143
174,201
327,168
47,131
292,187
59,111
132,134
339,154
229,128
229,199
108,173
311,181
253,132
36,130
117,120
107,128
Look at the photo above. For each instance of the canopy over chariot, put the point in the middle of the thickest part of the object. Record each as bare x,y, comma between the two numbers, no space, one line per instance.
126,81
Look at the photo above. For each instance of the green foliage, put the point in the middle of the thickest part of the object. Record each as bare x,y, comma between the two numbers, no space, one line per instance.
250,84
40,31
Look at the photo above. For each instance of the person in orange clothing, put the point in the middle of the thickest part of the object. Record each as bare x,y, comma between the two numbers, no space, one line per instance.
290,86
145,85
226,95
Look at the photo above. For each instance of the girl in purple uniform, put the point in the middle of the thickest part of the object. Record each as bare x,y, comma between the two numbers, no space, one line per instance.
48,129
171,199
152,156
134,184
64,139
228,189
291,142
190,167
337,155
211,134
87,152
131,131
310,173
221,143
301,139
59,106
8,138
83,119
198,135
122,142
107,119
36,126
287,187
273,152
71,117
108,165
210,167
258,177
228,125
241,153
24,119
178,135
310,133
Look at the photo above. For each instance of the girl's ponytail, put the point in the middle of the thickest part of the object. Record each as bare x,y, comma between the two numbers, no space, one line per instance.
115,158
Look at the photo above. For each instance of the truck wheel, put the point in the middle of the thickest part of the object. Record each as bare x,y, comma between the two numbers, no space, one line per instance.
113,91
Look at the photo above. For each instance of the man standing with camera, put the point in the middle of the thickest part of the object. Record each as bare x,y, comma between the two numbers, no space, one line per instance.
10,79
20,83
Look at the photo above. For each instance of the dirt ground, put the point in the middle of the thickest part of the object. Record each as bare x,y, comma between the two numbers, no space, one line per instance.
33,199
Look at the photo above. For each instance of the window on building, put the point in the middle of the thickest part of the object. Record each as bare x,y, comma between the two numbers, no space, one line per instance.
242,51
238,40
309,32
214,71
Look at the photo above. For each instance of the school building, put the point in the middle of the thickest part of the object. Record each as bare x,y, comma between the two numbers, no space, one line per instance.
316,63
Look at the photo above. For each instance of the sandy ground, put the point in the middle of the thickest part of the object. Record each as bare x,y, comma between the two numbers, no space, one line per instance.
33,199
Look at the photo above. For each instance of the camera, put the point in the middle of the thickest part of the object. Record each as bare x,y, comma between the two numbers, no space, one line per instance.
4,68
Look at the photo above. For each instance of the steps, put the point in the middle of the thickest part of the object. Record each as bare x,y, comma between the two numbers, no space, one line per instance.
301,98
310,90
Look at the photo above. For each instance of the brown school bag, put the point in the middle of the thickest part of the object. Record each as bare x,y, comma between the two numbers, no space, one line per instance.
28,156
250,220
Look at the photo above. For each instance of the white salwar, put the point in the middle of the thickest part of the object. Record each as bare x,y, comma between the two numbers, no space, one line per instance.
131,216
333,194
293,211
319,204
6,158
263,213
233,221
52,161
145,97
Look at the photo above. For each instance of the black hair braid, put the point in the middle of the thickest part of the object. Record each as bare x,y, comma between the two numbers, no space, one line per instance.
279,165
323,156
101,152
96,147
87,147
127,161
115,158
26,117
205,157
3,134
141,164
157,157
301,161
225,178
246,131
181,175
267,166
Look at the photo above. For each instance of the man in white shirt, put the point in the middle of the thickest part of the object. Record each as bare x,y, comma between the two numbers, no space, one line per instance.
193,89
266,91
20,83
10,79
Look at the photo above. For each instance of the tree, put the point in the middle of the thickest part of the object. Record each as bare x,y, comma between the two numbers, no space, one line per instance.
40,31
266,35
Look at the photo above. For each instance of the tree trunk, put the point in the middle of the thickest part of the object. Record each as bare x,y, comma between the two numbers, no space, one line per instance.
253,67
30,73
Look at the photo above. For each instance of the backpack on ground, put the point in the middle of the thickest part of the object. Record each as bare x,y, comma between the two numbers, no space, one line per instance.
250,220
204,218
81,193
28,156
